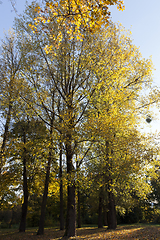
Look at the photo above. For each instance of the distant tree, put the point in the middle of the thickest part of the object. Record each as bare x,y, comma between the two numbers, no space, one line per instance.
10,63
28,138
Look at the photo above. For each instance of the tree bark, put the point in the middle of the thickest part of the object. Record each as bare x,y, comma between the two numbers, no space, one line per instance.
71,215
5,135
45,193
105,215
100,215
111,214
22,226
44,200
79,210
61,190
61,207
71,206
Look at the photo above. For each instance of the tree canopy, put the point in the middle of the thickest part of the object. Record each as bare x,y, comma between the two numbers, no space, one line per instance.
78,95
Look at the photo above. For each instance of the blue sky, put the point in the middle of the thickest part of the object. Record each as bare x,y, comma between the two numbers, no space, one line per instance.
142,17
7,14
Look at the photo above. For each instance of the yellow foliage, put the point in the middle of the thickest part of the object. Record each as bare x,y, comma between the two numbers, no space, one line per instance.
76,16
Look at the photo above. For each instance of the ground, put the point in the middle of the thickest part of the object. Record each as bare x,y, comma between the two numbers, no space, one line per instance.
136,232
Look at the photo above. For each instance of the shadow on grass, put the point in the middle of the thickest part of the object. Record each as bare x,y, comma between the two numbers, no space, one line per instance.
122,232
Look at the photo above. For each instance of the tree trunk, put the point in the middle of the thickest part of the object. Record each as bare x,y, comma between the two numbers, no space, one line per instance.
79,210
71,213
44,200
45,194
100,215
5,135
61,191
22,226
61,207
111,215
71,206
105,215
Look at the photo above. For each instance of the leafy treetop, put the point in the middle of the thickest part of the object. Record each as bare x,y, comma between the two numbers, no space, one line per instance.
76,16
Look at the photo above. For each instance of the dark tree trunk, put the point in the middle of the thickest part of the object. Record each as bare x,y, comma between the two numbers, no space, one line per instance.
45,193
61,207
100,215
71,213
71,206
105,215
61,191
22,226
44,200
79,210
5,135
111,215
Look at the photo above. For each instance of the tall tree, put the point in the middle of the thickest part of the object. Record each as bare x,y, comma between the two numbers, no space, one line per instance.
116,105
10,62
68,71
96,80
27,137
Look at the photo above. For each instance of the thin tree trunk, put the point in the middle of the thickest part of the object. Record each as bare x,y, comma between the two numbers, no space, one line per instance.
45,193
61,190
5,135
71,206
79,209
61,207
22,226
79,196
100,215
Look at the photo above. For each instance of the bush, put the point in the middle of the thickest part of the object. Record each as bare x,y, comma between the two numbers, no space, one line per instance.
32,220
4,225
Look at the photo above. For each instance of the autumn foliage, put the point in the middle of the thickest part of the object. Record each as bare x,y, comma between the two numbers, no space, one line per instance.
76,17
76,98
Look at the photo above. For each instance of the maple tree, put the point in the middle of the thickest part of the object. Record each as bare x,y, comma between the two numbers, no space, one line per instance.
74,16
128,167
85,82
115,112
93,84
72,90
37,99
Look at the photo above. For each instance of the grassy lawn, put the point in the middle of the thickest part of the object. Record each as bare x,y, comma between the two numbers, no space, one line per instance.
135,232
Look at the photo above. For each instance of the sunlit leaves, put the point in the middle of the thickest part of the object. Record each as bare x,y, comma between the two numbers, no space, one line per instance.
86,82
74,16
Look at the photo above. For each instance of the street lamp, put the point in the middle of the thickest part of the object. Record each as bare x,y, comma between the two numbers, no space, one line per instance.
148,119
